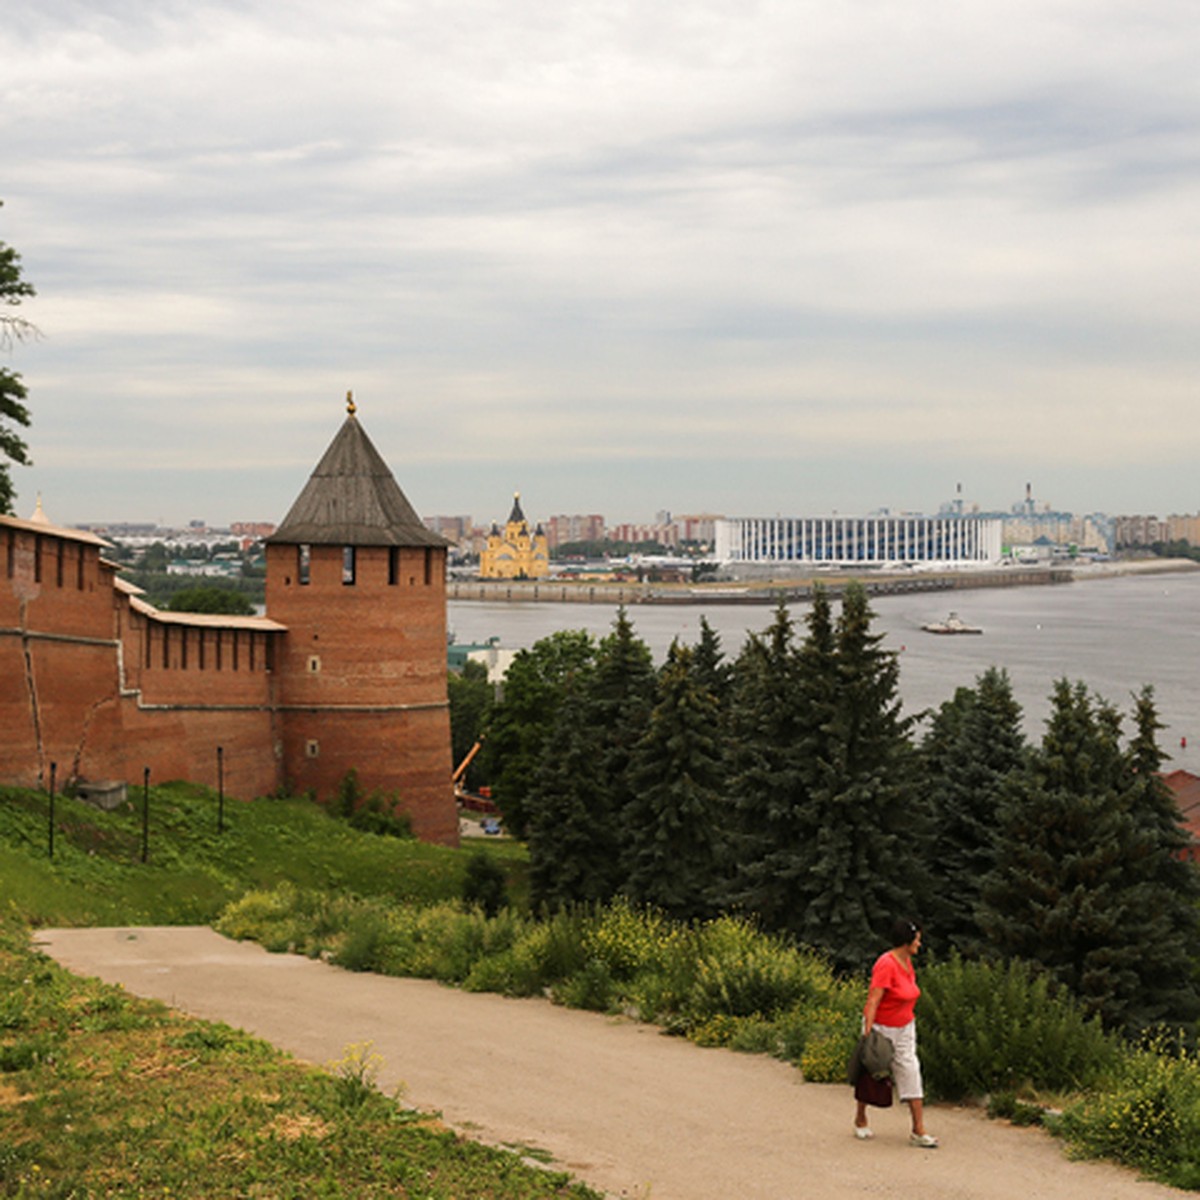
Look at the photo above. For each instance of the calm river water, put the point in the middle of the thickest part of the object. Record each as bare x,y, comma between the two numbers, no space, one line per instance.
1114,634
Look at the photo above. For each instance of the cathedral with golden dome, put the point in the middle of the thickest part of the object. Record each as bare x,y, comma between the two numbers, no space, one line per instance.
515,553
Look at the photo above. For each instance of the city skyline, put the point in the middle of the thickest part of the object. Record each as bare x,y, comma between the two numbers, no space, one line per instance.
754,259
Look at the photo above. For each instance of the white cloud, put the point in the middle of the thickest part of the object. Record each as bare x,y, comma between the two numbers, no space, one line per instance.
766,232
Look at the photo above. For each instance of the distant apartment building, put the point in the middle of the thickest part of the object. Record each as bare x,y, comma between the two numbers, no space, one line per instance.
698,527
859,541
454,529
663,534
1146,531
252,529
563,529
1091,532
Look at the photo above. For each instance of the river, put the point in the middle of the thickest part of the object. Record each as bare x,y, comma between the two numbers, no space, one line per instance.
1114,634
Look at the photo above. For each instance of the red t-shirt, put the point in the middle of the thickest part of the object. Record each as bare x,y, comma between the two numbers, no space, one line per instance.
900,990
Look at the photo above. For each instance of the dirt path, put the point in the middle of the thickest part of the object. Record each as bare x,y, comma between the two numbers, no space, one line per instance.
624,1108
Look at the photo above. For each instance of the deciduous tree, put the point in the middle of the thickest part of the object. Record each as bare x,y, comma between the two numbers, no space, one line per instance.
521,724
13,412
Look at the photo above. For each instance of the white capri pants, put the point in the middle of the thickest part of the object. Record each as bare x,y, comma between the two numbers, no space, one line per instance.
906,1070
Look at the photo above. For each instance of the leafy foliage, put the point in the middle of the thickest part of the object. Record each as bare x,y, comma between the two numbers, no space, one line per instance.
522,722
988,1027
13,412
207,599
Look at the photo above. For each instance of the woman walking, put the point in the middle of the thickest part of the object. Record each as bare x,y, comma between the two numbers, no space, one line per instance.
890,1009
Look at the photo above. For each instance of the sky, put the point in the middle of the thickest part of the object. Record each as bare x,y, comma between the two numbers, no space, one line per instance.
746,257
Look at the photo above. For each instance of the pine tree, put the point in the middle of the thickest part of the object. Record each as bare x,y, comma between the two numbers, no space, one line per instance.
708,663
864,824
620,695
1071,888
768,783
574,849
974,744
673,819
1164,883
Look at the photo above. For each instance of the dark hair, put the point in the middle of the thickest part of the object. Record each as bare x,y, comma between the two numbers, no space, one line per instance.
904,930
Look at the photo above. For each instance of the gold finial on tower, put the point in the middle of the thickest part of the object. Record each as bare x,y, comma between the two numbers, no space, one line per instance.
351,407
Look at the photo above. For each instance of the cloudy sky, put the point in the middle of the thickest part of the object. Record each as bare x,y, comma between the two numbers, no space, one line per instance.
750,257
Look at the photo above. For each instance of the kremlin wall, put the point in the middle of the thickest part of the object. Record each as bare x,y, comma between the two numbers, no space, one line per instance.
347,669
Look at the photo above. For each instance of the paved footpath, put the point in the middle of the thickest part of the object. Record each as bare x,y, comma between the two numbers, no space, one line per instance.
631,1112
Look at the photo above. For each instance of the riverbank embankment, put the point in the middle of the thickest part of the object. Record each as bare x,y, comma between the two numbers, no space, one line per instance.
797,587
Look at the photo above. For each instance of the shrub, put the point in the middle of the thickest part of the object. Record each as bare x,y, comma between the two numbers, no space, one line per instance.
1147,1116
591,987
483,884
987,1027
742,971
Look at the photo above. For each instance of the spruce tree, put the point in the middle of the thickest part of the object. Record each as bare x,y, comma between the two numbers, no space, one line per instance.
768,782
863,825
673,819
1164,883
620,694
574,849
708,663
1071,889
974,744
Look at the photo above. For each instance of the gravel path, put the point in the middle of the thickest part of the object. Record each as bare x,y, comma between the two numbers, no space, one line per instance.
631,1112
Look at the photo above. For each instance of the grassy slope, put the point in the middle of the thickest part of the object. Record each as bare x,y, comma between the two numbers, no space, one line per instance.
102,1094
97,877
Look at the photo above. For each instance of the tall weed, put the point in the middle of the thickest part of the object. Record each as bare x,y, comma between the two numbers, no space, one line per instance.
988,1027
1147,1116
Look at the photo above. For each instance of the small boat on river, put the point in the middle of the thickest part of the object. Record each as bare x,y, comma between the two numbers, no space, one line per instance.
952,624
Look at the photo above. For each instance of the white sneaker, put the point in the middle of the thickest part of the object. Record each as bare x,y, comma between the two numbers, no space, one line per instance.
863,1132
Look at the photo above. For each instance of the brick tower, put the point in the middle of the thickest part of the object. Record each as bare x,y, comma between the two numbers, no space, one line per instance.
360,584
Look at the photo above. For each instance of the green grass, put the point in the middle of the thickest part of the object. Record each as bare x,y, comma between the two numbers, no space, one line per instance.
192,872
103,1094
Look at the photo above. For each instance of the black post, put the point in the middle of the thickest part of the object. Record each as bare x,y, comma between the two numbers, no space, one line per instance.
53,772
220,789
145,814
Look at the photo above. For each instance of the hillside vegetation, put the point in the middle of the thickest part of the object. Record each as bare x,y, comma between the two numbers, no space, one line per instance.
291,876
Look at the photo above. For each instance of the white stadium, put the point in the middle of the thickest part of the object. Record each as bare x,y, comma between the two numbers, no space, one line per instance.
885,541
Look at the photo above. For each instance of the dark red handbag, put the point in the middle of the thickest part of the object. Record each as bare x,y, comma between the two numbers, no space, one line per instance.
876,1092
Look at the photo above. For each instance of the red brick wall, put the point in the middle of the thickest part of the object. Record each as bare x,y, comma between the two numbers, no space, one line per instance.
91,681
362,676
75,689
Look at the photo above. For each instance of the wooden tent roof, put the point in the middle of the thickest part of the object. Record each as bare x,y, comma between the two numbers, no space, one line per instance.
352,499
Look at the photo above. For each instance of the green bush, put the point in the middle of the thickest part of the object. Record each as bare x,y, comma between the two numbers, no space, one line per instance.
483,884
591,987
987,1027
741,971
1147,1116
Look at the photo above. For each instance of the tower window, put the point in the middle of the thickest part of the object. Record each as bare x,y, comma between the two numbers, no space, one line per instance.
393,565
428,565
349,565
303,564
